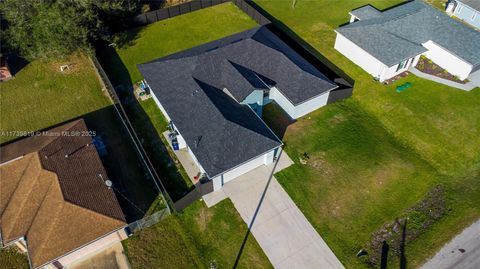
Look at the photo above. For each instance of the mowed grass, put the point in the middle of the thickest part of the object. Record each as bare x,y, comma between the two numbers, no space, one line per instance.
194,239
377,154
40,96
179,33
10,258
439,122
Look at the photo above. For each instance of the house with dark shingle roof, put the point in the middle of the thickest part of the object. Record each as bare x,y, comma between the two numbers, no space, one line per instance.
213,95
55,204
465,10
387,43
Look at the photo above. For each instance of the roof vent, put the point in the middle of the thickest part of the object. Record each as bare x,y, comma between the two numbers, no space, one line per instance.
108,183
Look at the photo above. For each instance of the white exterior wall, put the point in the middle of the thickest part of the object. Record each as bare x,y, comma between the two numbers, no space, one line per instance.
263,159
282,101
195,160
359,56
448,61
392,71
160,106
311,105
302,109
90,249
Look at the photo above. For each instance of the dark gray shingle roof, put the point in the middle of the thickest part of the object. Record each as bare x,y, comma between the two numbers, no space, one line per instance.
399,32
256,52
221,132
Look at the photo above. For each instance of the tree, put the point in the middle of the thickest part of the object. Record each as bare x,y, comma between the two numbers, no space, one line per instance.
49,29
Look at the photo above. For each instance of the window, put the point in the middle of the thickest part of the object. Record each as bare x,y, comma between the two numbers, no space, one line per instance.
459,9
474,15
402,65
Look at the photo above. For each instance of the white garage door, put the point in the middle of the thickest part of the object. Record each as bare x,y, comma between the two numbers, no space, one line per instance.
266,158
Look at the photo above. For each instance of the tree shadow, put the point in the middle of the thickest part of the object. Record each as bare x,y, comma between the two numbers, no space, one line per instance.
126,38
16,63
144,126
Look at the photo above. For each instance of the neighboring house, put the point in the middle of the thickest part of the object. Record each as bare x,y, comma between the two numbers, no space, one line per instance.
466,10
213,96
54,202
387,43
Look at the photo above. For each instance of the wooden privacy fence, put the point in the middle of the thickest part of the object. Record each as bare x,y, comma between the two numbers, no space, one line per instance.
173,11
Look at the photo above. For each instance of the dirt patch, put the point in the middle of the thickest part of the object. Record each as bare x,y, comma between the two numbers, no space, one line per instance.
338,118
426,65
413,222
70,65
203,218
319,163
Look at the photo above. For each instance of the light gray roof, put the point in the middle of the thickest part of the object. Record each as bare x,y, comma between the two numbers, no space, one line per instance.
399,32
366,12
471,3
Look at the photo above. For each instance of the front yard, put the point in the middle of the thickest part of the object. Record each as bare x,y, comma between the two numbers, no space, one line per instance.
196,238
374,157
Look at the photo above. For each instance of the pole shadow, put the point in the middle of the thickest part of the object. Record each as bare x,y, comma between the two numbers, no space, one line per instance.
260,202
384,257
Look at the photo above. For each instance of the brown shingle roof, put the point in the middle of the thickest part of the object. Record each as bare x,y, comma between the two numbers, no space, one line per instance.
58,203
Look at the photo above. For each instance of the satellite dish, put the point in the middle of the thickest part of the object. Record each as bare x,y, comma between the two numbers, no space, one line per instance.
108,183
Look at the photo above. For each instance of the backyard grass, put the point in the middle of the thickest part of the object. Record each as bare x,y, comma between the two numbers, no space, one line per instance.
194,239
12,259
379,153
40,96
153,41
176,34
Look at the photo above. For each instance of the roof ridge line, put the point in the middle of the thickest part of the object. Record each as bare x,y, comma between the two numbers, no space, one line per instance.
52,223
18,183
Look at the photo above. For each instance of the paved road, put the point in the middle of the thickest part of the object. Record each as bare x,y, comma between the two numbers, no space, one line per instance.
280,228
462,252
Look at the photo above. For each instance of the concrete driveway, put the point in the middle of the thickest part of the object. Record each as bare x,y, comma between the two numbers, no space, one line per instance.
462,252
112,257
280,228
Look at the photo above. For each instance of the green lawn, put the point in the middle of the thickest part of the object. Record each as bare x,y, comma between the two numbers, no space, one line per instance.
40,96
10,258
379,153
441,123
195,238
176,34
153,41
371,157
